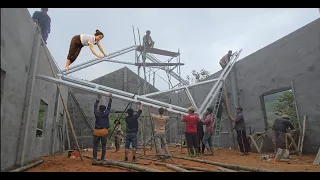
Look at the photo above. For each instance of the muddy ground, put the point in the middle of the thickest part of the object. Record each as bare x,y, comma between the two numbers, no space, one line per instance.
61,163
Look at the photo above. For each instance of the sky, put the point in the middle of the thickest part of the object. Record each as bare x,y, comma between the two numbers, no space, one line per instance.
203,35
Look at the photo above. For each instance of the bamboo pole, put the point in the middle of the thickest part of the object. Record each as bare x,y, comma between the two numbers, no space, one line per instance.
198,169
66,110
228,110
21,169
124,165
172,167
230,166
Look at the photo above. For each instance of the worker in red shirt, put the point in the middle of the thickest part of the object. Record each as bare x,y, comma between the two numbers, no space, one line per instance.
191,131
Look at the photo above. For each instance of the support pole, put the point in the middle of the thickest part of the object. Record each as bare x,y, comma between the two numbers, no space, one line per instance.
66,110
229,112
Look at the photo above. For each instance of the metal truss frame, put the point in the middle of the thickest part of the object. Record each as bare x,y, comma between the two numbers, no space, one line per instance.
144,99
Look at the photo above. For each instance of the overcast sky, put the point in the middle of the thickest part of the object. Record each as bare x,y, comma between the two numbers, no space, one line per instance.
202,35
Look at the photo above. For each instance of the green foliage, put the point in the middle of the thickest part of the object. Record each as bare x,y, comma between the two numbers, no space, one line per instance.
41,116
285,105
278,104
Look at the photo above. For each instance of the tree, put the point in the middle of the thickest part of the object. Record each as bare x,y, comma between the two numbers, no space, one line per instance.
285,105
198,76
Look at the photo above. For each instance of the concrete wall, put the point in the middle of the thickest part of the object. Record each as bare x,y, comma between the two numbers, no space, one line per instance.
22,92
295,57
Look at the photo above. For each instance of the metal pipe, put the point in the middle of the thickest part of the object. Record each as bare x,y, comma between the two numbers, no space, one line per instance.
78,65
213,92
95,88
191,99
97,61
178,88
176,76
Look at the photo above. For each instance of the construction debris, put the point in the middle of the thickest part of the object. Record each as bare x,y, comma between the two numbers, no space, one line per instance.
21,169
282,154
124,165
230,166
172,167
316,161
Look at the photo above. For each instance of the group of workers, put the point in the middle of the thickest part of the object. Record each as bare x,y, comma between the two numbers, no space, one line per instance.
197,138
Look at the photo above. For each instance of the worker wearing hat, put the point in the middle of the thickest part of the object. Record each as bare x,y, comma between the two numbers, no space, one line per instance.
241,131
43,20
280,127
191,131
208,135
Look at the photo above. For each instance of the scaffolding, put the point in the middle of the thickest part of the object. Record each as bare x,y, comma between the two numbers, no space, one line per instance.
141,55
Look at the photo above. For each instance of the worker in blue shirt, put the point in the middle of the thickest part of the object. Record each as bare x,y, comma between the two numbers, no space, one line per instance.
101,127
42,19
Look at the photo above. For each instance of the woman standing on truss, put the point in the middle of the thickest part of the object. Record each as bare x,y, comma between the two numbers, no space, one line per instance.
78,41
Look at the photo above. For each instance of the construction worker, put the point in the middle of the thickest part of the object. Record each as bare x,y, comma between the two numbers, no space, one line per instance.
208,135
78,41
200,133
280,126
241,131
43,20
132,132
160,133
101,127
118,135
191,131
147,40
225,59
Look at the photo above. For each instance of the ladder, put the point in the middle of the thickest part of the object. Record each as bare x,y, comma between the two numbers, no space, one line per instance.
217,121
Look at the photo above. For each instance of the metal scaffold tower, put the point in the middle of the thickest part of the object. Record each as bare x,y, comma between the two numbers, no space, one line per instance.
144,96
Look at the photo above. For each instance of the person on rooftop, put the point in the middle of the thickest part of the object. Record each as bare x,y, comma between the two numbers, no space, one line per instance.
78,41
43,20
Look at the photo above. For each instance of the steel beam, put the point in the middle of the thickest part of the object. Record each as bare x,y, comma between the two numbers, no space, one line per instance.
191,98
175,75
215,89
84,63
179,88
95,88
96,61
160,64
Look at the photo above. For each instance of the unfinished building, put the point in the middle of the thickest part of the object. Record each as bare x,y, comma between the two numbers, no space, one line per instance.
292,61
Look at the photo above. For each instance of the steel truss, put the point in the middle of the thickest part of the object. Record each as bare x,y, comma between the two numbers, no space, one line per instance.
126,96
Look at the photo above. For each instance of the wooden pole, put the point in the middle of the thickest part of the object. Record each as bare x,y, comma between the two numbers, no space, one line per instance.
66,110
124,165
21,169
228,110
230,166
172,167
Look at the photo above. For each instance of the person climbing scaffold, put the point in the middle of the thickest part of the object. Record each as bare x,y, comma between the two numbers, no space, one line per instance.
78,41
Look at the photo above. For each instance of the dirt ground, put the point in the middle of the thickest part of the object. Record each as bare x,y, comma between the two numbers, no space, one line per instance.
61,163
